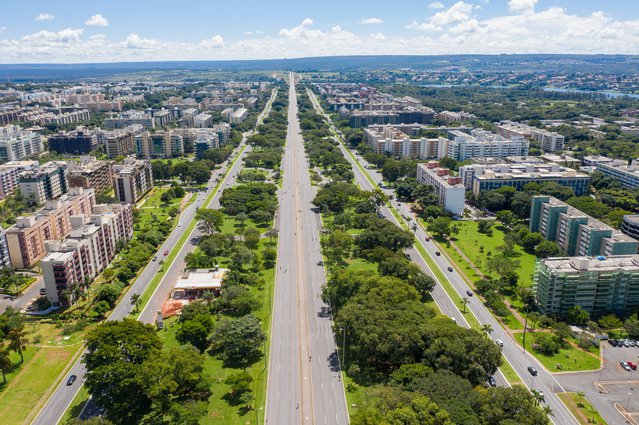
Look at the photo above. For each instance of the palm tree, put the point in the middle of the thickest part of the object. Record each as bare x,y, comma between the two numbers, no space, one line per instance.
17,340
464,302
487,329
581,395
5,362
136,299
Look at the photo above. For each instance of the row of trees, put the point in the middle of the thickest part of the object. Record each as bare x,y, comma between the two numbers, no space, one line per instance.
13,337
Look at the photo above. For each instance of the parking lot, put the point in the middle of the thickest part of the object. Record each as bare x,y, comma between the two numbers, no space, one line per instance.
612,389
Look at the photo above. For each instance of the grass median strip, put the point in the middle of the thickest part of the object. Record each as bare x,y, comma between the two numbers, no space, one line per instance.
583,411
148,292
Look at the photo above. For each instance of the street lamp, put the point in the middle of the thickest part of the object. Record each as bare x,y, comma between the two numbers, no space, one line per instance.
525,326
343,330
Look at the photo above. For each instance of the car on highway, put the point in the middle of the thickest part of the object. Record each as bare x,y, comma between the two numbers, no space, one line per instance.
155,258
532,371
166,252
450,269
427,238
492,381
437,253
469,293
499,342
71,380
540,396
320,263
43,291
625,366
632,365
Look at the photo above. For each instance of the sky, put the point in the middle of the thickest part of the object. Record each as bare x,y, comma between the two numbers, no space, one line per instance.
84,31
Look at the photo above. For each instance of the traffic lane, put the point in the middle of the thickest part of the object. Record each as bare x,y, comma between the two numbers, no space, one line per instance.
19,302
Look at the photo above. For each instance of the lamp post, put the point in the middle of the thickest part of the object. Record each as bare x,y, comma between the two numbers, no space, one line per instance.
343,346
523,343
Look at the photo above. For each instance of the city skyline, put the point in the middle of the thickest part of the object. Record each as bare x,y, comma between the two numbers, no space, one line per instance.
67,32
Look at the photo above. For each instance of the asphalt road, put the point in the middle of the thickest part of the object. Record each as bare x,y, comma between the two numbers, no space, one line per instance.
19,302
63,395
304,383
514,354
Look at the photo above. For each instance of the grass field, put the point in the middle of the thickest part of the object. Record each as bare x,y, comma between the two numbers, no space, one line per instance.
478,247
570,359
29,384
585,413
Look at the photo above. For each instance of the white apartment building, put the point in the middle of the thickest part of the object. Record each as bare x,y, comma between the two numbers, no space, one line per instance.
17,144
549,141
239,115
389,139
480,144
132,180
449,189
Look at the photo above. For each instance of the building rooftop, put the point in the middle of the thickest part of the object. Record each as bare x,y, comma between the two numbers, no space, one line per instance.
613,263
201,279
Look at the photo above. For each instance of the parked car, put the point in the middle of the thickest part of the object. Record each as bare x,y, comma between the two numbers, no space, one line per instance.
469,293
71,380
438,253
532,371
492,381
43,291
613,342
499,342
625,366
632,365
450,269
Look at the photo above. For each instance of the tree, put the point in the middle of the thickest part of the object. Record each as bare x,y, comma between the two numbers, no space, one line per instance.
251,238
487,329
193,332
240,384
136,300
531,240
631,325
578,316
17,337
610,321
210,221
392,170
238,341
108,274
515,405
209,247
108,292
441,227
101,308
236,301
5,361
241,256
339,246
115,352
506,217
464,303
96,420
547,249
269,256
485,226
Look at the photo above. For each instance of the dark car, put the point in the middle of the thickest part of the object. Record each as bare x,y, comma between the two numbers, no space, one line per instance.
469,293
613,342
532,371
450,269
320,263
438,253
492,381
71,380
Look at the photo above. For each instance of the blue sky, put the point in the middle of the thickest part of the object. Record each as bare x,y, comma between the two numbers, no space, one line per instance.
117,30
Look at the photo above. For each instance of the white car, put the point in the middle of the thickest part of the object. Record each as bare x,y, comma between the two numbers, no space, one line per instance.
499,342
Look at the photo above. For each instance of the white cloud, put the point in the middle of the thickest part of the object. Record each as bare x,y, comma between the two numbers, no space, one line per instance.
97,21
67,35
44,17
215,41
134,41
457,13
436,5
369,21
522,6
460,31
2,29
253,32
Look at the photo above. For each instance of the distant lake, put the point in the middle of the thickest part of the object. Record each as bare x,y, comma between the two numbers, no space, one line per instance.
609,94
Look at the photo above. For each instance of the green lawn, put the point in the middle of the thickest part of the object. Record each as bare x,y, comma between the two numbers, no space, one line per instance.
361,264
585,413
478,247
571,359
509,373
30,383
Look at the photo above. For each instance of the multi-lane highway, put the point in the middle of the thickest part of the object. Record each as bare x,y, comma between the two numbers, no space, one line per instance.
63,395
519,360
304,381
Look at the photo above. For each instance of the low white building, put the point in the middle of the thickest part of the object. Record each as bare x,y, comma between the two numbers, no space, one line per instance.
195,282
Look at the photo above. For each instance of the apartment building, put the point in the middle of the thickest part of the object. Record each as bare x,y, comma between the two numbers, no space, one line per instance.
161,144
128,118
627,175
599,285
480,178
132,180
49,181
205,139
389,139
202,120
386,113
26,238
548,140
630,225
480,143
78,142
451,117
239,115
577,233
89,172
449,189
5,258
120,142
87,251
17,144
10,175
